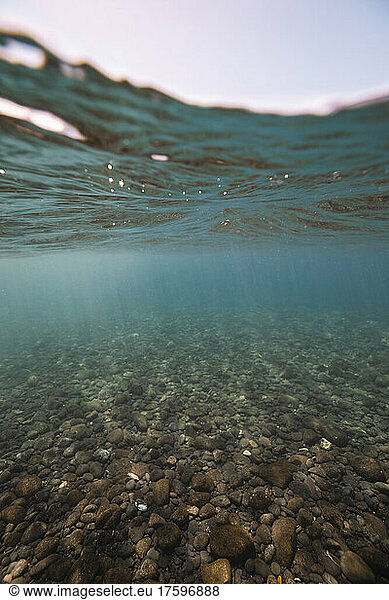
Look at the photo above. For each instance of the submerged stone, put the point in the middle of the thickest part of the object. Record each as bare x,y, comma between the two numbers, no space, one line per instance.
232,542
368,468
285,540
161,492
355,569
278,473
168,536
218,572
108,516
378,561
28,486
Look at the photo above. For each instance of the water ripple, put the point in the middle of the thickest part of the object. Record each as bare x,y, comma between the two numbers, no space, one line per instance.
89,161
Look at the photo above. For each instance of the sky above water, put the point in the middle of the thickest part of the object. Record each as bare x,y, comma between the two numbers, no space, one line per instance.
279,55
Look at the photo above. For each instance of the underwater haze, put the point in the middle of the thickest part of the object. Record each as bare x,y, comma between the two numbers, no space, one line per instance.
194,347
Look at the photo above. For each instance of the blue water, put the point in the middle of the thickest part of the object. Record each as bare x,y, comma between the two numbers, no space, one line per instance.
217,255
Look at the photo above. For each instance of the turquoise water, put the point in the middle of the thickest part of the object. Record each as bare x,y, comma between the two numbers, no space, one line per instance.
196,266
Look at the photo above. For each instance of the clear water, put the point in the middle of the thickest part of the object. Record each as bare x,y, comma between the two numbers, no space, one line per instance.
193,259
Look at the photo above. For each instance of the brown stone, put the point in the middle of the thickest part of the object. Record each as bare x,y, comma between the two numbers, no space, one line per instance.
368,468
355,569
284,538
279,473
217,572
28,486
161,492
232,542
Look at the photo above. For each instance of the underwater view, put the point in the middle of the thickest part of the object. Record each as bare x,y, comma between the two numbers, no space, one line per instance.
194,336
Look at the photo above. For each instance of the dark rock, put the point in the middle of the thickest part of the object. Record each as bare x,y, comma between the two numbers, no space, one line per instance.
203,442
13,514
42,565
140,421
58,571
375,527
108,516
304,517
168,536
35,531
46,547
284,539
263,534
200,542
231,542
115,436
378,561
73,497
148,571
368,468
28,486
217,572
85,568
202,482
335,435
181,516
199,498
301,489
6,498
278,473
355,569
118,575
161,492
261,568
294,504
207,511
260,500
332,514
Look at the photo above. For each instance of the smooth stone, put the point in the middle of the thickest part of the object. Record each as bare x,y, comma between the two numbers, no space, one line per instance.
46,547
28,486
13,514
368,468
378,561
279,473
42,565
34,532
142,547
232,542
284,539
18,568
217,572
161,492
355,569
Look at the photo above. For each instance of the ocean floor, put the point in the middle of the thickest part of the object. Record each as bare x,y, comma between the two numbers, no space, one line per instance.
244,448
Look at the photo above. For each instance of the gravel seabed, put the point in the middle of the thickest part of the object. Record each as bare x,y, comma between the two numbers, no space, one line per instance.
243,448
